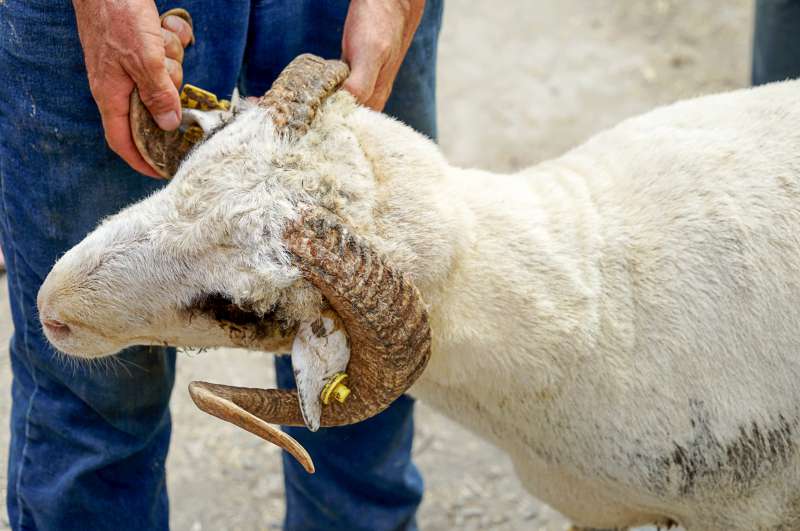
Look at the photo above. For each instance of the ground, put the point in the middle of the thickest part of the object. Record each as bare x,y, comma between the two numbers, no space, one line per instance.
519,81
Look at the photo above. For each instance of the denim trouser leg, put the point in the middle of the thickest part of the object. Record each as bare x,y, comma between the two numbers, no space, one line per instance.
88,444
776,43
365,479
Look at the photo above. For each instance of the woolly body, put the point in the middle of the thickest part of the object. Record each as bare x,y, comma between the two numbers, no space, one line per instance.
623,320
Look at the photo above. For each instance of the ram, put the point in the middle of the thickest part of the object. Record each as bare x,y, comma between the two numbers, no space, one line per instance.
624,320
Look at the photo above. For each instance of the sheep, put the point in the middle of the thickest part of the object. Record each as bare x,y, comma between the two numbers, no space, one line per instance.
623,321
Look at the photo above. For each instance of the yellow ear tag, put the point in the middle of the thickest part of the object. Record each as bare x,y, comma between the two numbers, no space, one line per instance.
335,388
196,98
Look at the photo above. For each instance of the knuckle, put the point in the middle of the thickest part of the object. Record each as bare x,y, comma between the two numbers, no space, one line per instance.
174,52
168,37
358,91
172,40
179,27
158,98
173,66
142,61
152,61
175,72
384,47
112,143
98,89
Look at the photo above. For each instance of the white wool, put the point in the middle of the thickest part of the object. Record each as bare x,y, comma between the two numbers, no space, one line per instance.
624,320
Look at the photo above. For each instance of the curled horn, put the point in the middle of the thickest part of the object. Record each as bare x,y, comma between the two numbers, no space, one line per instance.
385,319
382,311
298,92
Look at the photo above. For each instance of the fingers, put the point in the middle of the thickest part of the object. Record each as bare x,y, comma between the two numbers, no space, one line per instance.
179,27
361,84
173,48
175,71
161,98
112,93
372,84
375,38
383,88
160,73
124,48
156,88
364,70
177,34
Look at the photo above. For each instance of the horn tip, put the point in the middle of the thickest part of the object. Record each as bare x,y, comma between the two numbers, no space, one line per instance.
207,399
201,394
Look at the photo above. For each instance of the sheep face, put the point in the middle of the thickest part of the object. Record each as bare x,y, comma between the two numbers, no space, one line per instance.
202,262
215,259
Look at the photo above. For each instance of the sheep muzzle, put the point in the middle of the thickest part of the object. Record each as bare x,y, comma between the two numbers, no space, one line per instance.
385,320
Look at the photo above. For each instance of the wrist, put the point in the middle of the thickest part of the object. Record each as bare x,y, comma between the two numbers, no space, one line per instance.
404,6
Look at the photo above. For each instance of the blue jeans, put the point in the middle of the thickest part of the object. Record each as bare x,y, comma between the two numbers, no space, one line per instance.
776,46
88,446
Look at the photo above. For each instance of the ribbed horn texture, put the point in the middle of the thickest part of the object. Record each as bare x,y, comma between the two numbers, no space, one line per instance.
382,311
298,92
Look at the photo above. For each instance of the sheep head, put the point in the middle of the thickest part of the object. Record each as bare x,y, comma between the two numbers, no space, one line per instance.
236,251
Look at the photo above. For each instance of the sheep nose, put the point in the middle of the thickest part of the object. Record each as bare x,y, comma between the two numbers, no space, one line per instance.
56,328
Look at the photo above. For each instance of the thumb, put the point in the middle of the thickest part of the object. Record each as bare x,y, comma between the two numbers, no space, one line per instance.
159,95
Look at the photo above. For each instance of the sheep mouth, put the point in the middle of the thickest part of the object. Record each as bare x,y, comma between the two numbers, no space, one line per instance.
244,326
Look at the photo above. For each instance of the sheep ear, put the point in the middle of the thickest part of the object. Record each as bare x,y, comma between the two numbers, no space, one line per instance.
206,120
320,351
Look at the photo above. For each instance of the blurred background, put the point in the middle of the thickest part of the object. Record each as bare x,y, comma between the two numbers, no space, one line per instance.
519,81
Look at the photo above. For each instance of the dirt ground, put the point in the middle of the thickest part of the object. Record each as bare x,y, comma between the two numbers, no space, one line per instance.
518,84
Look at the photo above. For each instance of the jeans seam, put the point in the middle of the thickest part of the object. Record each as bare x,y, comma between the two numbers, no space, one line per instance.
14,257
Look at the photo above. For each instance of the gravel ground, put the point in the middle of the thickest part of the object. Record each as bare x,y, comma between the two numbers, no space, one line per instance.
517,85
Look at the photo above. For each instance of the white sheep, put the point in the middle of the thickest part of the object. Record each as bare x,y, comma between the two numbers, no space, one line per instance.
624,320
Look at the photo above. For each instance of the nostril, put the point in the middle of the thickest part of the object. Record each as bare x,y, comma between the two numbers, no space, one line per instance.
56,328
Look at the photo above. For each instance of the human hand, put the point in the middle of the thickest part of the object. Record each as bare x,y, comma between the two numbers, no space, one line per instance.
377,34
125,46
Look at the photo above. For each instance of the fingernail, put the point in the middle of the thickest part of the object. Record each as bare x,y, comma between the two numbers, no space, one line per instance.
173,23
168,121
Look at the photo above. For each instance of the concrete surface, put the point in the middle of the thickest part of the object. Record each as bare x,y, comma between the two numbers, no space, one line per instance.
520,81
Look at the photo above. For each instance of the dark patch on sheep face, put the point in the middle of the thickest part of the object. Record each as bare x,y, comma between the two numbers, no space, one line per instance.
668,523
244,326
757,451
